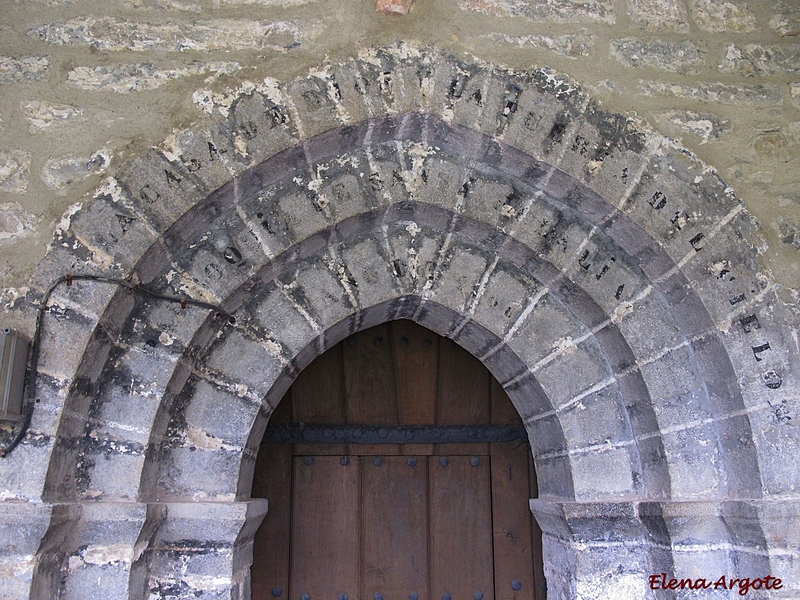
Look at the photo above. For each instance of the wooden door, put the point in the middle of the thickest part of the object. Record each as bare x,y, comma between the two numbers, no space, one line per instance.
396,521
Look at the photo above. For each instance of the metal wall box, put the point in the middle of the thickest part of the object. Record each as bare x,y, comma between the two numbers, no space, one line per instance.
14,354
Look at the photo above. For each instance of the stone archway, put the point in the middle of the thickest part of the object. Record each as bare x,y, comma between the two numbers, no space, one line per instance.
607,279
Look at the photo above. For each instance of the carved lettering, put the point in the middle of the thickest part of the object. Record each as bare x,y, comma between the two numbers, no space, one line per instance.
248,129
149,195
214,152
172,178
580,145
758,350
375,182
532,120
477,98
658,201
781,411
193,165
124,222
582,260
773,380
736,299
749,323
232,255
618,293
695,242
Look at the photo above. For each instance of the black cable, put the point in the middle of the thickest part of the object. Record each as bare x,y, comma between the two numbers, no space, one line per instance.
184,301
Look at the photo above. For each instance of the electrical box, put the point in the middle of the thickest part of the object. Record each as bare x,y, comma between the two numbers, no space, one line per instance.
14,355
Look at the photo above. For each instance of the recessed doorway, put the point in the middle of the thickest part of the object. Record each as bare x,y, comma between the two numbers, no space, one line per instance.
355,515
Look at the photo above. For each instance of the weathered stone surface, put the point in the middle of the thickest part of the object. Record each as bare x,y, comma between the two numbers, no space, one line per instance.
41,115
58,173
14,167
185,5
394,7
108,33
712,15
758,60
562,11
707,126
683,57
794,91
659,15
15,222
715,92
27,68
124,79
789,232
571,46
786,19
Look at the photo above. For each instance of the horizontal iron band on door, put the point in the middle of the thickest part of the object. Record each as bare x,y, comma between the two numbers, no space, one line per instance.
314,433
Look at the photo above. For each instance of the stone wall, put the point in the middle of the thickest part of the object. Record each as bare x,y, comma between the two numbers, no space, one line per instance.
86,85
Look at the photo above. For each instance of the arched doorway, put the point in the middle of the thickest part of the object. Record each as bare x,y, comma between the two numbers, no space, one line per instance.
393,520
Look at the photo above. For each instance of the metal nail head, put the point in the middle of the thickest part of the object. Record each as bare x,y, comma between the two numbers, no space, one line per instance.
344,461
446,596
474,461
378,596
444,461
516,585
479,595
342,596
307,461
412,462
413,596
276,591
377,461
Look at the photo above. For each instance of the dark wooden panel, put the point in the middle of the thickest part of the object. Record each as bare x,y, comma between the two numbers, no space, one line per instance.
325,535
273,480
460,528
394,527
318,397
416,359
517,537
369,382
463,392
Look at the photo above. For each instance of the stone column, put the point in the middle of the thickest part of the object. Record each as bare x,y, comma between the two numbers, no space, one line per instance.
612,549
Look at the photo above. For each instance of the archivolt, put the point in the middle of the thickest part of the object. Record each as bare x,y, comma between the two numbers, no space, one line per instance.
604,277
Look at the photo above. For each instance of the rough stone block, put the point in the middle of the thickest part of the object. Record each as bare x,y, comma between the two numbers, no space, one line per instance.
659,15
373,278
159,189
217,417
63,328
759,60
315,102
302,213
557,11
458,277
650,328
115,476
545,328
323,293
276,315
724,16
259,128
356,100
577,370
709,127
440,182
391,170
684,57
494,201
14,169
606,153
695,462
677,389
184,467
343,196
554,234
415,253
540,123
470,97
242,360
24,470
715,92
140,77
25,68
596,419
211,155
503,300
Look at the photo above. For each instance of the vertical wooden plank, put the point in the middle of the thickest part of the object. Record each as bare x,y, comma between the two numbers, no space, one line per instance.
536,537
273,480
460,527
463,394
318,397
416,360
512,521
394,527
325,534
369,383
